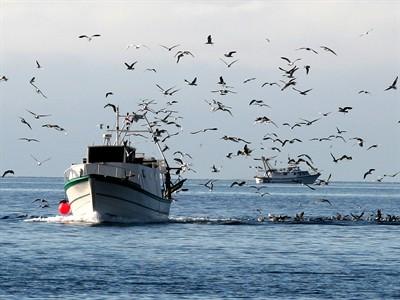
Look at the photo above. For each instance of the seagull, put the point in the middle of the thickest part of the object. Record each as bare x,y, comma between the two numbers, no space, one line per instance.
221,81
37,116
328,49
167,92
28,139
308,49
391,175
249,79
258,102
25,122
181,54
3,78
367,32
301,92
307,67
360,141
393,85
209,184
38,65
368,173
55,126
340,131
234,139
323,200
39,163
229,54
209,40
114,108
89,38
228,64
363,92
43,202
136,46
246,151
214,169
341,158
130,66
270,84
203,130
372,146
265,119
241,183
7,172
345,109
289,83
290,63
193,82
109,94
170,48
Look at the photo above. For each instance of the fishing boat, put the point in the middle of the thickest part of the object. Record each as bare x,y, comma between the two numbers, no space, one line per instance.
115,183
291,174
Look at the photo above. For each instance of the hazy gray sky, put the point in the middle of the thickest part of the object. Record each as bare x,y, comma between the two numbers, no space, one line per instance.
76,74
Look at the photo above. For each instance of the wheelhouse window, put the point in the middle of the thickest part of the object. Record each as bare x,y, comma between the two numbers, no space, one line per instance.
106,154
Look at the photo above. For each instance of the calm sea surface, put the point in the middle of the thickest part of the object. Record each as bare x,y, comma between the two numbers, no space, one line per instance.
216,245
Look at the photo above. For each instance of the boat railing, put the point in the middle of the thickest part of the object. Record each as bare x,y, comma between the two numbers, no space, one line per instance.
105,169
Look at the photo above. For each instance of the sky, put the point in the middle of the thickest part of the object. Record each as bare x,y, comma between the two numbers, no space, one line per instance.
76,74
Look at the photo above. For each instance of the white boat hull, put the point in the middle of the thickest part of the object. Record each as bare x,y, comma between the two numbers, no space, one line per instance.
114,200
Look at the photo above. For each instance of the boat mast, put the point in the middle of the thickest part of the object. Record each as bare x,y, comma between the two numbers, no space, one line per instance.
117,133
168,183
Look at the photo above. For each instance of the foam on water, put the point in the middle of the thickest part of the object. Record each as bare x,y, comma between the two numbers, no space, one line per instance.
71,219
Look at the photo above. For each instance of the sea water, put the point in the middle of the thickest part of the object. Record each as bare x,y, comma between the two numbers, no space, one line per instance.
219,244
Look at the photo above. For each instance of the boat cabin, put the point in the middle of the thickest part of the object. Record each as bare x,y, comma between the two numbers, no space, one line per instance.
118,154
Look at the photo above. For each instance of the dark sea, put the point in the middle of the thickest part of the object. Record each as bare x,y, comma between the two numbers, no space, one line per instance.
218,245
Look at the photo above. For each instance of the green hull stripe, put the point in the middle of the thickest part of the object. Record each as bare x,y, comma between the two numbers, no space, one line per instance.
74,181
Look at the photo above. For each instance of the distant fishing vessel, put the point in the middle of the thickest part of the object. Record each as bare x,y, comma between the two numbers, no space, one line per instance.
291,174
116,183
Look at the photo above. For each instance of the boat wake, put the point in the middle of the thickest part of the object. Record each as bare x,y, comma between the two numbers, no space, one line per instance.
205,220
265,220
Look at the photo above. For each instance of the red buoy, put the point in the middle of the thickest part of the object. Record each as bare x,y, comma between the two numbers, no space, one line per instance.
63,207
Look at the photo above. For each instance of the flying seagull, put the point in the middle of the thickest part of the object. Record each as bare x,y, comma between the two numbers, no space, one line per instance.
368,173
130,66
28,139
228,64
209,40
328,49
193,82
109,94
7,172
25,122
229,54
393,85
89,38
114,108
365,33
308,49
241,183
37,116
170,48
204,130
301,92
40,162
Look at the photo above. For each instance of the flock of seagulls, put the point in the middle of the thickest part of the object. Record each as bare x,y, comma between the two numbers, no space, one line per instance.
167,116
